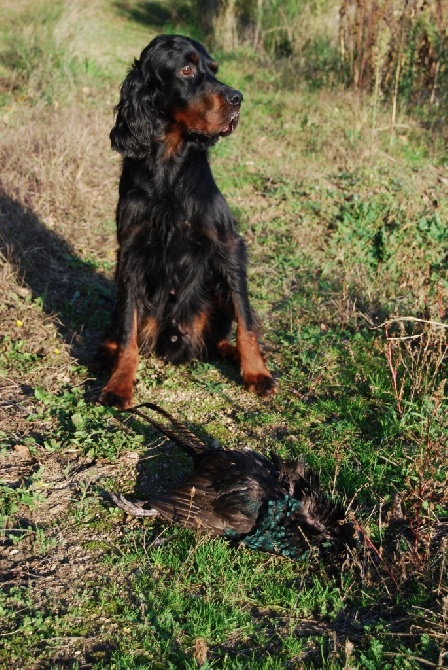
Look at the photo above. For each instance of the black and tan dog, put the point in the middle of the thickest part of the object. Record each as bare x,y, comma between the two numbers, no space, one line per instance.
181,267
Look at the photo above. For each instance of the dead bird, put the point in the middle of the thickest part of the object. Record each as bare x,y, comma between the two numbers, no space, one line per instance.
264,503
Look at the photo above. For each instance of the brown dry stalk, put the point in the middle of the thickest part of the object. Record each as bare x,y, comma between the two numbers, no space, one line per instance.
393,367
384,41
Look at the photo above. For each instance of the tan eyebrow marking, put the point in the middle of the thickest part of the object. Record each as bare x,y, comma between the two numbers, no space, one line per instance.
194,58
214,67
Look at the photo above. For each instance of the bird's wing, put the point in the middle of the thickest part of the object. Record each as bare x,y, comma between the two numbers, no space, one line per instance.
223,494
192,505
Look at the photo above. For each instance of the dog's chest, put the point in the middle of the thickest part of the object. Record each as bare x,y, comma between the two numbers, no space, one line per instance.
182,256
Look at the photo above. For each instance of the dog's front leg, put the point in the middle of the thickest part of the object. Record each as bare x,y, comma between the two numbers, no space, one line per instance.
256,376
120,387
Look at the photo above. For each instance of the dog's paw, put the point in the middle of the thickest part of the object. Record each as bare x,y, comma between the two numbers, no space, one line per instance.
228,351
263,384
120,398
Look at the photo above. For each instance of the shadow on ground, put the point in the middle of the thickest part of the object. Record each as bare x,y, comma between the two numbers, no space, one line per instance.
72,291
155,14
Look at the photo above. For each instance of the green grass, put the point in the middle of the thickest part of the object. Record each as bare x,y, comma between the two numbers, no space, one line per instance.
347,247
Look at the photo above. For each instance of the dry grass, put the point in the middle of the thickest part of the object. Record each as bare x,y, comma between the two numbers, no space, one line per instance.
57,203
58,163
47,48
394,48
284,28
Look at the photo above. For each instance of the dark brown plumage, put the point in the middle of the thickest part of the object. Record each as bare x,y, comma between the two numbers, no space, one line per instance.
265,504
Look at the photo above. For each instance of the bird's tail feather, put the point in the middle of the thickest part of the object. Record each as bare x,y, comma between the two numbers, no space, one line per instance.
181,436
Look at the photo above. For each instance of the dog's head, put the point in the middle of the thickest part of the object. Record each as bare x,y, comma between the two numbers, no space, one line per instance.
171,94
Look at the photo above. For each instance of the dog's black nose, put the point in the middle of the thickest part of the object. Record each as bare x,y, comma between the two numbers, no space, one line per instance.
234,97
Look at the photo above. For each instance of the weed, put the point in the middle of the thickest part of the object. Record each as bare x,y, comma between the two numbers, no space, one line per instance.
14,354
416,359
81,425
37,53
415,354
395,49
11,499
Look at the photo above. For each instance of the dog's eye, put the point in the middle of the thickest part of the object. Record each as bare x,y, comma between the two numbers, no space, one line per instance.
188,71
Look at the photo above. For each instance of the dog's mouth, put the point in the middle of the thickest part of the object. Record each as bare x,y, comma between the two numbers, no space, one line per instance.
231,124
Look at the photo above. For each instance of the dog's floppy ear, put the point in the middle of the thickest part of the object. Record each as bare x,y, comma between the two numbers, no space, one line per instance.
134,124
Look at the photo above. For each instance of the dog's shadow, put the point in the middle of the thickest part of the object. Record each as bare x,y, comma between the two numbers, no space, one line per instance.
71,290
